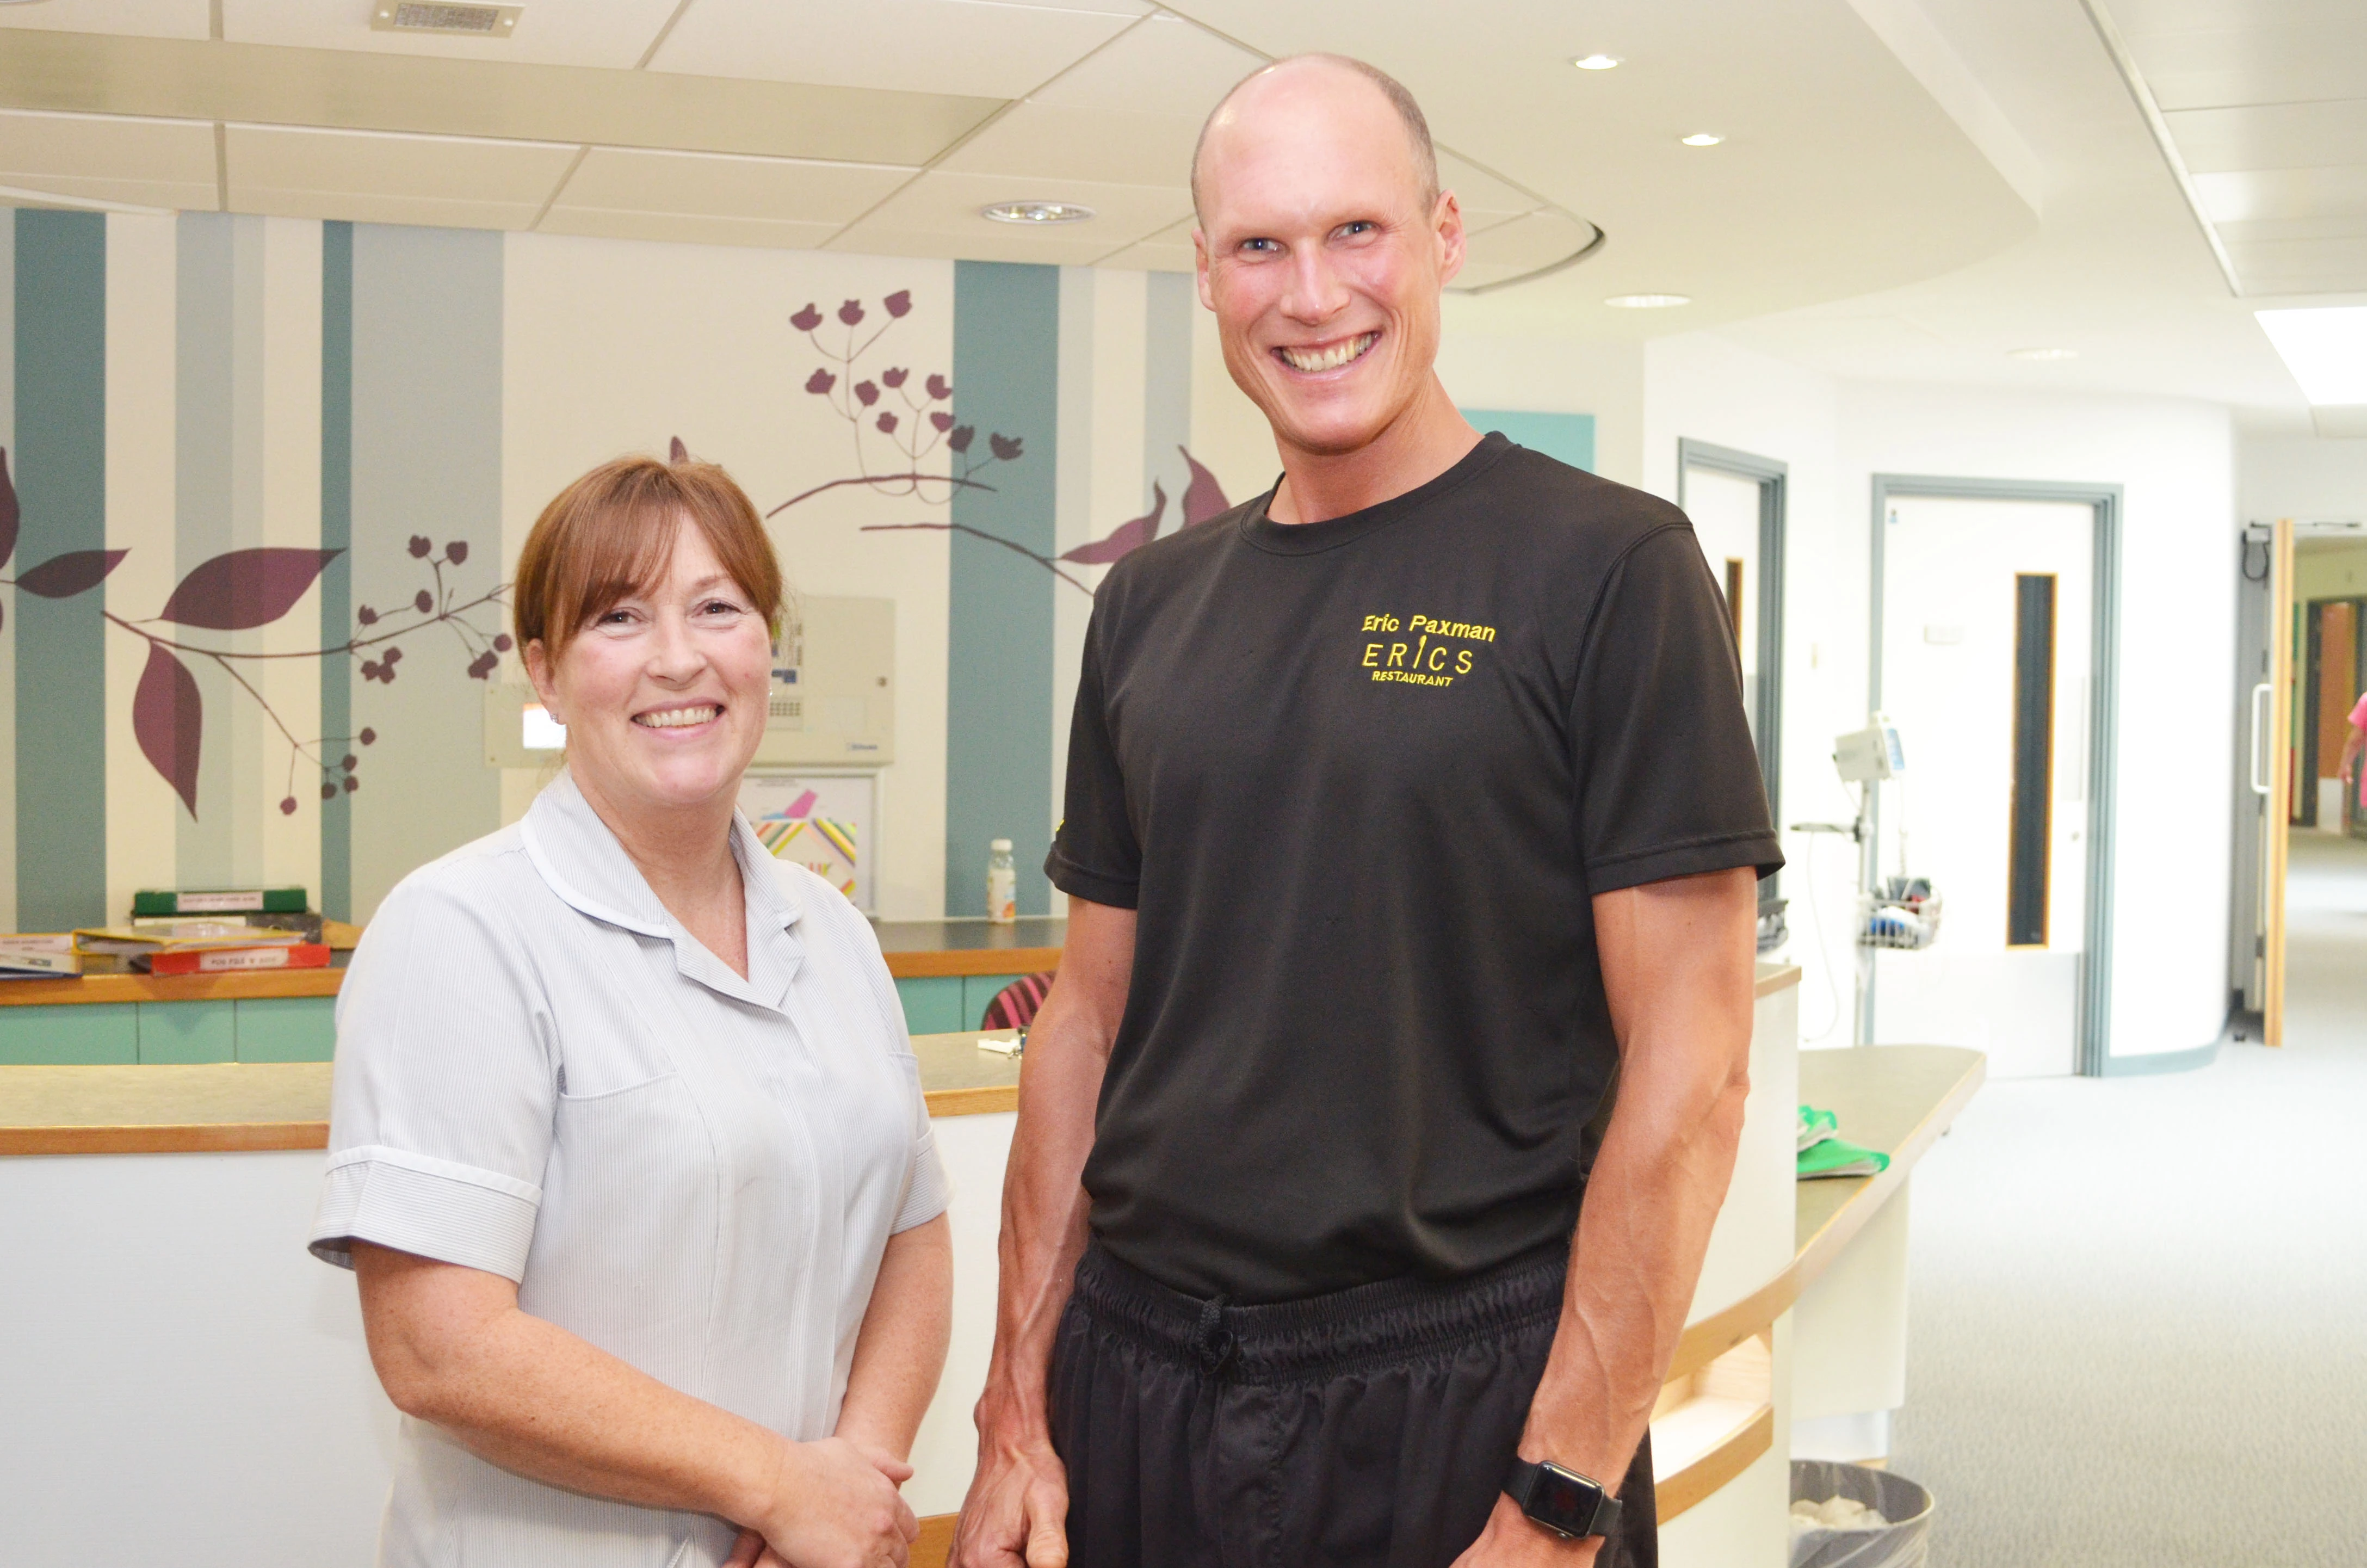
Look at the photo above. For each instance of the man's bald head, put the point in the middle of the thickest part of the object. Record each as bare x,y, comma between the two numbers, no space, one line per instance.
1279,76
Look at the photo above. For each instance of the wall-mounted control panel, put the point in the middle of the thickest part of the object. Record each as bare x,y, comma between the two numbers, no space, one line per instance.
832,703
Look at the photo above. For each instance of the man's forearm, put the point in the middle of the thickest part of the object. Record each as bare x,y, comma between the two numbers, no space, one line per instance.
1043,1199
1677,964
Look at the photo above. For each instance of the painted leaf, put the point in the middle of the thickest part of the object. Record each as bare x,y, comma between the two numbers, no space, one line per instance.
1006,448
245,589
75,572
1204,498
677,453
898,303
806,319
9,514
1124,538
168,720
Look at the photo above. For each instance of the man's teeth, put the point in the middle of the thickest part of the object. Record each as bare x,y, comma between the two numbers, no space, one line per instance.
676,718
1329,358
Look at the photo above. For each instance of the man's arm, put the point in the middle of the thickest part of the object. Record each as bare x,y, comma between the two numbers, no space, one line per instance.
1677,964
1018,1503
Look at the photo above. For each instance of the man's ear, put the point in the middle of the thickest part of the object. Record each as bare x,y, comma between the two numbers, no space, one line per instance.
1447,219
1200,267
537,659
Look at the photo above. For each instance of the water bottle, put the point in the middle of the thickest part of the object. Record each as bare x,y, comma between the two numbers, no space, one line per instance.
1001,883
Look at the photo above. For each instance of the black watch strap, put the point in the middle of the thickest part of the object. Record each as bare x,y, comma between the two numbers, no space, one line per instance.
1562,1500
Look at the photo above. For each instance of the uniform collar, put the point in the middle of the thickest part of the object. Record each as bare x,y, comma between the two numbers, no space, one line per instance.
583,864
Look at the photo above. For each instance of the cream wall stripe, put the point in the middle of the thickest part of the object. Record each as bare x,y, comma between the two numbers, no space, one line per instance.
291,451
7,595
209,471
1169,304
141,808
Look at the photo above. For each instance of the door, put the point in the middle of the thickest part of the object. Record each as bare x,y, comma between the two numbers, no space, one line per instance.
1725,512
1986,671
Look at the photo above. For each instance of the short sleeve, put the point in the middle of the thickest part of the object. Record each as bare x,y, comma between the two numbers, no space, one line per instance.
445,1088
1668,781
1095,856
926,1192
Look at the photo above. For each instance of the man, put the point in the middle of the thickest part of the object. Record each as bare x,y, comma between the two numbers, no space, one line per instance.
1408,807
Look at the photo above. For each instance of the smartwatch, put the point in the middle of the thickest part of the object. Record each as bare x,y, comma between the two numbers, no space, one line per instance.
1563,1500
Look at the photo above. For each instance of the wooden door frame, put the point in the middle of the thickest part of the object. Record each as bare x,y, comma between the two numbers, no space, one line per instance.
2092,1044
2276,850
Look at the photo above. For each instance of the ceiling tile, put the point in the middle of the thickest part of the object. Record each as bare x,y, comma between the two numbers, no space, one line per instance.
2254,194
2258,62
1538,240
680,228
945,204
2353,226
2271,136
982,47
140,18
145,162
2294,266
1055,141
394,180
614,33
619,179
1165,67
1169,250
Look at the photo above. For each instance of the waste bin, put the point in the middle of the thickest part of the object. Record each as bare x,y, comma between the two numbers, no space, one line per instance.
1900,1543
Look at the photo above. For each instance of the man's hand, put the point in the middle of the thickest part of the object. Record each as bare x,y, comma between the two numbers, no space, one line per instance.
1512,1540
1017,1510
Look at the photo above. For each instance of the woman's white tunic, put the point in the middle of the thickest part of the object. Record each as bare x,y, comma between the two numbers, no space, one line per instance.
540,1074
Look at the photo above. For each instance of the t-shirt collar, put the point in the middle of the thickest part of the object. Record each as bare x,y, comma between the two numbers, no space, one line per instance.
1308,538
583,864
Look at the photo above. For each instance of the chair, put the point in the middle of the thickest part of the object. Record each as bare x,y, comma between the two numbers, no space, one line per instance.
1014,1005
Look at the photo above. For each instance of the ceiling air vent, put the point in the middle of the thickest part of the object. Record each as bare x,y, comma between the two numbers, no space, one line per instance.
468,21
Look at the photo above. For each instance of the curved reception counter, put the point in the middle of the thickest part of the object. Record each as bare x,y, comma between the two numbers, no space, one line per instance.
185,1382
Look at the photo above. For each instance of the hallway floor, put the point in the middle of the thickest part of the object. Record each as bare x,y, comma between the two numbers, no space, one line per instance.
2134,1333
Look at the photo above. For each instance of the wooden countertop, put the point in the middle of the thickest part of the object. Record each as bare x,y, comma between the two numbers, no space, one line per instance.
1897,1098
915,950
254,1106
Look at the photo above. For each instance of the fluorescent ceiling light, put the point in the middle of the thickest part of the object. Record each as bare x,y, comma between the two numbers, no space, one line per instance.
1597,62
1035,213
2042,353
1702,139
2325,349
1648,301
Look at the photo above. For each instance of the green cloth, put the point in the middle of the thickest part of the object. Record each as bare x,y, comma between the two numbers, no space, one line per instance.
1822,1152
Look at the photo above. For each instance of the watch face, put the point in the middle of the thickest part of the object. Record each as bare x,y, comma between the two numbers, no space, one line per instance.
1562,1501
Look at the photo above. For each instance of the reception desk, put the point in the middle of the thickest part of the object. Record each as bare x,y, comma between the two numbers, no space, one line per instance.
184,1383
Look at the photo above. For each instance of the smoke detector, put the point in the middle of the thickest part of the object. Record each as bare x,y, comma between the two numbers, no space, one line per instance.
429,16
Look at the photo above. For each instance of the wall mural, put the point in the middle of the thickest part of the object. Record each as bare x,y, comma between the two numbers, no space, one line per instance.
242,590
897,451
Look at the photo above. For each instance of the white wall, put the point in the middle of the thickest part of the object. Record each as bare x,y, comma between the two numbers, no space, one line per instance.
2300,477
2175,460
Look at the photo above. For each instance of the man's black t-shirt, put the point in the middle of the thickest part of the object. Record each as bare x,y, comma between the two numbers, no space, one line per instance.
1360,779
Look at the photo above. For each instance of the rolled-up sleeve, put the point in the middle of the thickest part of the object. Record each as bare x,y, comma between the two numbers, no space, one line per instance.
446,1081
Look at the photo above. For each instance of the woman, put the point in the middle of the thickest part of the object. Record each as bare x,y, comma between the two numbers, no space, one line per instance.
627,1148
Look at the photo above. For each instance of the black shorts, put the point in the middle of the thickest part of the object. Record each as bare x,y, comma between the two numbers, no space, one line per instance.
1371,1428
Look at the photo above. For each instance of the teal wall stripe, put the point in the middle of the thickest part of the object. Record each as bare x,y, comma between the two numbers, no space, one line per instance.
8,595
336,533
61,753
999,632
427,433
1569,437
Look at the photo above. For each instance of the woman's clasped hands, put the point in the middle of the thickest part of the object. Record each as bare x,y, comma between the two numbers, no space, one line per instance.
834,1505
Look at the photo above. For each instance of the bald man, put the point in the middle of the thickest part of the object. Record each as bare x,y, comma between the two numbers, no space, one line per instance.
1409,807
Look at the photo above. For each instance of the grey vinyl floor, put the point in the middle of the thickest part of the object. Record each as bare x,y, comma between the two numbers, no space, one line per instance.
2138,1306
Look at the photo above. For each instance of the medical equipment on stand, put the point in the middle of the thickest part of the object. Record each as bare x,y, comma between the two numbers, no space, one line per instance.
1900,912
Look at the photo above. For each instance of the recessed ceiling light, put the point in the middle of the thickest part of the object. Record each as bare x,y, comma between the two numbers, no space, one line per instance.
2042,353
1035,213
2325,349
1702,139
1648,301
1597,62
